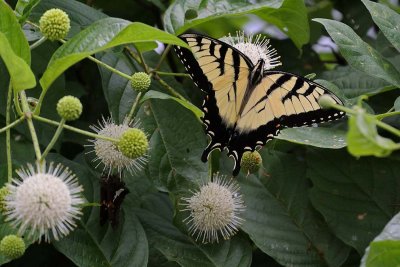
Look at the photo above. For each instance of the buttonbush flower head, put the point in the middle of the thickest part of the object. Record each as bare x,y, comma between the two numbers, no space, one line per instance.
69,108
54,24
255,48
44,202
214,210
140,81
3,194
12,246
133,142
251,161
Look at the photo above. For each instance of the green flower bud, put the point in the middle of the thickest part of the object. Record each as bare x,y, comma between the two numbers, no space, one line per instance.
3,193
54,24
326,101
140,81
251,162
69,108
133,143
12,246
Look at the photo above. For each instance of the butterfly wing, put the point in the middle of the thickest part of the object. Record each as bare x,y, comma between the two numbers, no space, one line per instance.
222,73
281,100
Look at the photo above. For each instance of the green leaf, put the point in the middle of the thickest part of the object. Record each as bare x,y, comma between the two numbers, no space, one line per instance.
387,20
355,196
182,15
24,8
359,54
11,29
101,35
183,138
354,83
397,104
315,136
20,73
363,138
384,253
186,104
391,232
95,245
292,19
279,217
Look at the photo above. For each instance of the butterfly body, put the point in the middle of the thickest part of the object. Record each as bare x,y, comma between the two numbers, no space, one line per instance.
245,105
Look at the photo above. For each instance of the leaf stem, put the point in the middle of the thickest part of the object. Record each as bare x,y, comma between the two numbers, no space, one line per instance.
388,114
134,106
8,133
143,63
17,105
53,140
28,116
37,43
101,63
169,88
76,130
388,128
11,125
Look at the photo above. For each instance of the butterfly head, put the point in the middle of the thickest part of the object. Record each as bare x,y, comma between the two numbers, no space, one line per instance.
256,74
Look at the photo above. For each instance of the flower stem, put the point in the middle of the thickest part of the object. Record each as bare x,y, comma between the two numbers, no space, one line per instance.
388,128
53,140
169,88
134,106
143,63
38,42
388,114
28,116
11,125
164,54
8,133
171,73
101,63
76,130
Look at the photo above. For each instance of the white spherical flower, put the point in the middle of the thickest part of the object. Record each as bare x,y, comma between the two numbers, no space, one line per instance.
214,210
255,48
107,152
44,202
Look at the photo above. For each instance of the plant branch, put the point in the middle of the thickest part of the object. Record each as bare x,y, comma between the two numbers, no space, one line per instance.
171,73
76,130
53,140
164,54
8,133
11,125
388,114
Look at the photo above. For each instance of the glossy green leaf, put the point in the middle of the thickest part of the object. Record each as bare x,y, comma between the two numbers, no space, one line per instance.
359,54
387,20
384,253
353,195
23,9
158,95
315,136
11,29
363,138
279,217
20,73
101,35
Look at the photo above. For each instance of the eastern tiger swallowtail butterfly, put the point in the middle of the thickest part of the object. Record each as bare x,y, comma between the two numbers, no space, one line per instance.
245,105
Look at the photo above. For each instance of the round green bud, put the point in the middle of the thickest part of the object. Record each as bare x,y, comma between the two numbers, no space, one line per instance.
251,162
140,81
12,246
3,193
69,108
133,143
326,101
54,24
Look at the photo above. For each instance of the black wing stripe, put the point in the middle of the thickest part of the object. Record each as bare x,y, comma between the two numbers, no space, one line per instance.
281,80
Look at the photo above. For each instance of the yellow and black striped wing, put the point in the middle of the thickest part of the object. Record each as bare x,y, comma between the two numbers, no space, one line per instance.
222,73
280,100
